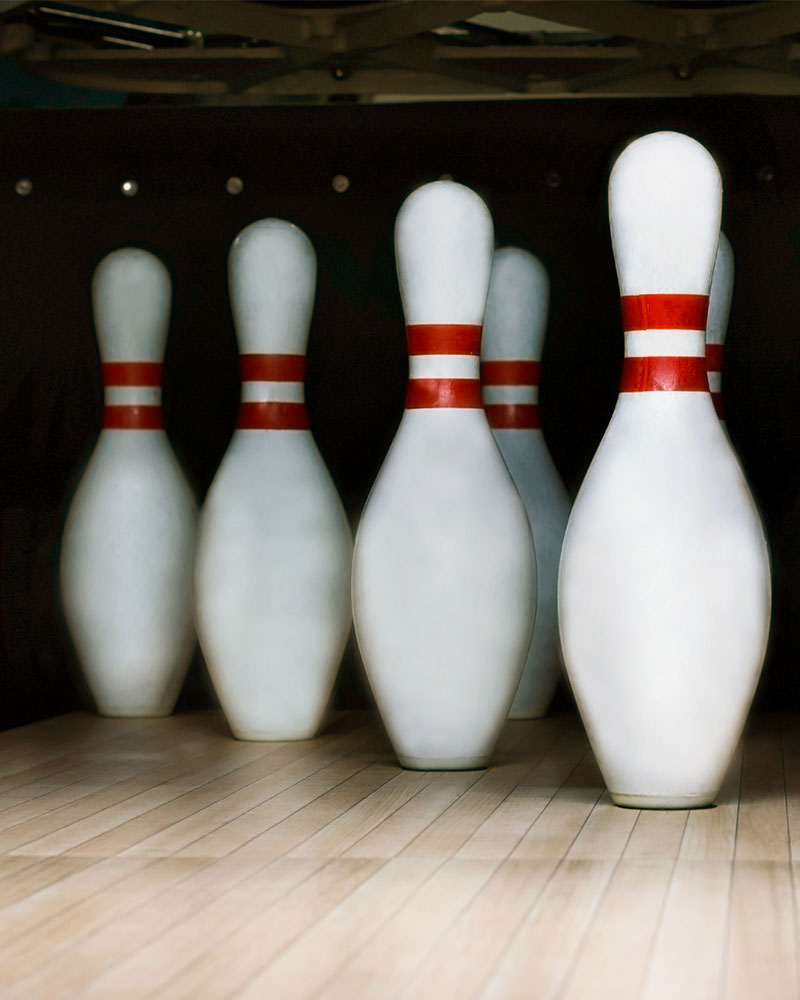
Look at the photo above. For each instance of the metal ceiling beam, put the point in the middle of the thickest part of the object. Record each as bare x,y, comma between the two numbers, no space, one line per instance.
759,26
622,17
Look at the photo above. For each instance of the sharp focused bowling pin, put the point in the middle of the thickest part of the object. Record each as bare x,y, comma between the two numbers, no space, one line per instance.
513,332
444,584
128,544
664,586
272,580
719,308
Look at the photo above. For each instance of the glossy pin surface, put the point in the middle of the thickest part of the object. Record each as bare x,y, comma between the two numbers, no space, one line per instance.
128,543
514,330
272,576
444,583
664,585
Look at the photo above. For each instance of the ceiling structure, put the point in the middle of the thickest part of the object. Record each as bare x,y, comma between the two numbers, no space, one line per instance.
240,52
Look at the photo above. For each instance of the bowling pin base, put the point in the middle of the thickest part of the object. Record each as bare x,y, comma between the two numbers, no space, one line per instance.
443,763
662,802
276,736
156,712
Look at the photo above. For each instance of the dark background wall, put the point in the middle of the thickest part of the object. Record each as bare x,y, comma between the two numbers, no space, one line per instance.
543,169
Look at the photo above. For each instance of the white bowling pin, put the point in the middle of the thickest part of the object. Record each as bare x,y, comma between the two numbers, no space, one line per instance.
272,578
444,583
513,333
128,543
719,309
664,585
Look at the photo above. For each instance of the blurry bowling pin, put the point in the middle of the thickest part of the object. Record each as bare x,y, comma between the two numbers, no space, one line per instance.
272,578
128,543
719,308
664,585
444,581
513,333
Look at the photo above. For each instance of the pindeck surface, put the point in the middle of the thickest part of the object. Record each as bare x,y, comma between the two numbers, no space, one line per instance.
161,858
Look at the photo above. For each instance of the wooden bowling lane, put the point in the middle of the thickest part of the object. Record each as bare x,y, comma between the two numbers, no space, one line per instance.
161,858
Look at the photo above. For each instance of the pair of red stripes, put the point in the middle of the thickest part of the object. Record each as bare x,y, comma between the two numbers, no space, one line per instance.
252,415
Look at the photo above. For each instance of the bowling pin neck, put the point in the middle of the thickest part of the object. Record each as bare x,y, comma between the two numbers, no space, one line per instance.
131,294
665,202
443,246
273,392
443,366
516,308
272,272
511,394
132,396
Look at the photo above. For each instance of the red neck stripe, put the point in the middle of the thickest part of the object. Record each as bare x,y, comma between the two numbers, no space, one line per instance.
716,398
450,393
714,355
444,338
272,367
132,418
132,373
664,312
272,416
513,416
510,372
660,374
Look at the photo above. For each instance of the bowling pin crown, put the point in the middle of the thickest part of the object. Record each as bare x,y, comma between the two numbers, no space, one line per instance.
272,271
665,202
719,305
443,245
131,292
516,307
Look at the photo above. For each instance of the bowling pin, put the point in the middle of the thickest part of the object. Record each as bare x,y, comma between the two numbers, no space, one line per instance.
272,577
719,308
128,542
444,579
513,332
664,583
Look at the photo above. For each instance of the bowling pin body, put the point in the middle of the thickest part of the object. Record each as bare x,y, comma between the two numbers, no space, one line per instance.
664,585
128,543
719,308
272,578
514,329
444,584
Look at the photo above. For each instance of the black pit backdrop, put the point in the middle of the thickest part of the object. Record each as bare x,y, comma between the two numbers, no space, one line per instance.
543,169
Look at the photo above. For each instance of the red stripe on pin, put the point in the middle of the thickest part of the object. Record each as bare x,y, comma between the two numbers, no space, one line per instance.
664,374
132,418
132,373
510,372
716,398
272,367
453,393
664,312
444,338
513,416
272,416
714,354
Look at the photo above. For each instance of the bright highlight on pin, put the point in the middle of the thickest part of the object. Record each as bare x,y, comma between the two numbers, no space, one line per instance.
129,188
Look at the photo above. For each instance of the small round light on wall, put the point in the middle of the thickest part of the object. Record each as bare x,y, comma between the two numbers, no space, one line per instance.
445,177
129,188
766,175
340,183
234,185
24,186
553,179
